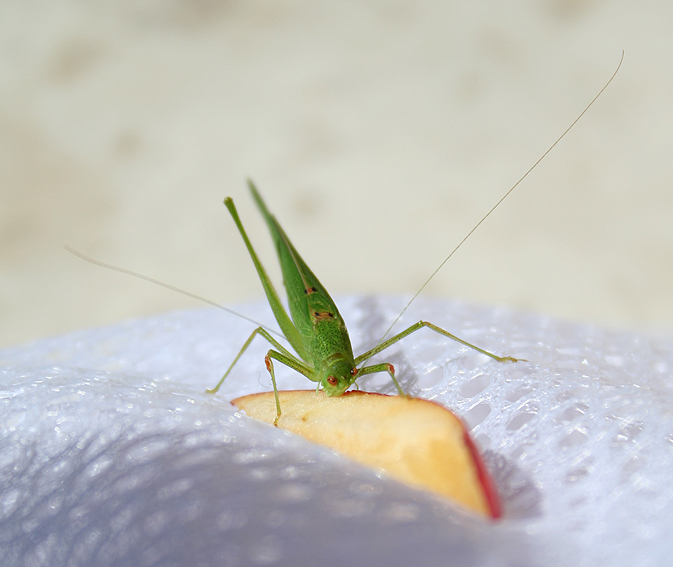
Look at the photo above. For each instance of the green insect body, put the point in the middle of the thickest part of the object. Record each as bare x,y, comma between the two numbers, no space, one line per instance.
316,331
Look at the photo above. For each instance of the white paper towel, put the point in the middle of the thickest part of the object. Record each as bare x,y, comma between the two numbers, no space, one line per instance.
112,454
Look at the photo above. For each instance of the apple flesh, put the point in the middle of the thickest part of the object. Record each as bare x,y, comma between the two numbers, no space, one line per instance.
415,441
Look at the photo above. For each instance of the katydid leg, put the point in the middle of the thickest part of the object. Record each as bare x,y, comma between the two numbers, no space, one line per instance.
284,322
384,367
391,341
297,364
289,361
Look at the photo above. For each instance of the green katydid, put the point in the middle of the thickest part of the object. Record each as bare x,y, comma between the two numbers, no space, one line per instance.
316,331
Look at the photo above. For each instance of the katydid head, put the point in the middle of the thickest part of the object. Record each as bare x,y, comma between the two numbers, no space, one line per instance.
338,376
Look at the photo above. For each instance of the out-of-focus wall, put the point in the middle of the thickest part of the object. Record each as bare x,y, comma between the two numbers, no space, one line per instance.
379,133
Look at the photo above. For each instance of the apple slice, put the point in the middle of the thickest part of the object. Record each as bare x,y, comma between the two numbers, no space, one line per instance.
416,441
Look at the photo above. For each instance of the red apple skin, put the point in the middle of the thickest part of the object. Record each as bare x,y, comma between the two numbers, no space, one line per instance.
487,484
488,487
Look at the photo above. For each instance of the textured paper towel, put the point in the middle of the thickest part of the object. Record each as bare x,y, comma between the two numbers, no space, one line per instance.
112,454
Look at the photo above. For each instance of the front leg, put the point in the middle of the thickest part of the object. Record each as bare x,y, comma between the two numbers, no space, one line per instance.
385,367
291,362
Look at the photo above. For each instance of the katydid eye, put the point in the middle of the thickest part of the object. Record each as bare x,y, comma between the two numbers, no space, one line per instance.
332,381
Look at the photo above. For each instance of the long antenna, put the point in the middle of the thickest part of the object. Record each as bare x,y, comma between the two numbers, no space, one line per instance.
167,286
494,207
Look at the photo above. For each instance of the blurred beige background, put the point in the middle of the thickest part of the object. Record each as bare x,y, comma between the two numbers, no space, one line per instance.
379,133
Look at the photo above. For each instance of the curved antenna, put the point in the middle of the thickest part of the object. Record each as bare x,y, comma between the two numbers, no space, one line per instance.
167,286
494,207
